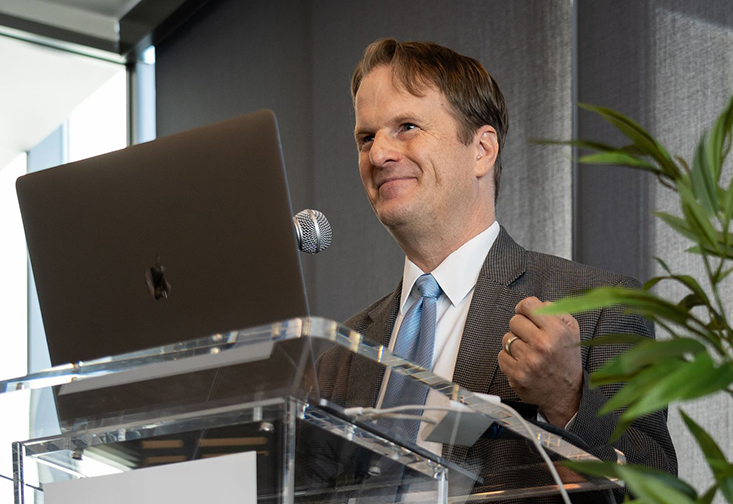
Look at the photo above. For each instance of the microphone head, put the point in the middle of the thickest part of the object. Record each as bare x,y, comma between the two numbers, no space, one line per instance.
312,230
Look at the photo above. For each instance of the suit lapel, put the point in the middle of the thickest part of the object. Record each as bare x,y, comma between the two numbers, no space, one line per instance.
492,306
382,318
378,328
488,317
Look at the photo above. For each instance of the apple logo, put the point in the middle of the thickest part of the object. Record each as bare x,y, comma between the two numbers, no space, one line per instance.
156,281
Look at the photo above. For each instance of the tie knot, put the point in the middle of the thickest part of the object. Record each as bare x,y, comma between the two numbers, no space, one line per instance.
428,286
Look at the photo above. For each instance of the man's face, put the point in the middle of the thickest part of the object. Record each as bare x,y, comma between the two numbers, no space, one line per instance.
416,172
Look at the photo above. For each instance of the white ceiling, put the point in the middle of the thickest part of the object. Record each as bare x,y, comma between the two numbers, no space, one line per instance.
39,89
96,18
113,8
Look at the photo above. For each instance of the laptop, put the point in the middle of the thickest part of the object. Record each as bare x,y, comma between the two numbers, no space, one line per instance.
179,238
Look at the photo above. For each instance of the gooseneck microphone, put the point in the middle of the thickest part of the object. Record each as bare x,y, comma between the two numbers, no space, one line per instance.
312,230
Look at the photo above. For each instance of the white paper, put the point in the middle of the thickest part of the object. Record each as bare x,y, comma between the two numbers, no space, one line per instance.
218,479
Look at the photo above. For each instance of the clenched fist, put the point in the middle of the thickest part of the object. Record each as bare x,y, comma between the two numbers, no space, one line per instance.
541,358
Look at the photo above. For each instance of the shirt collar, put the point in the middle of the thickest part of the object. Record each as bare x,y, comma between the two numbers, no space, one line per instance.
458,273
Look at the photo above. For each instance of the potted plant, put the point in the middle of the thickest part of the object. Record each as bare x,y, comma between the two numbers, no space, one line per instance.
697,359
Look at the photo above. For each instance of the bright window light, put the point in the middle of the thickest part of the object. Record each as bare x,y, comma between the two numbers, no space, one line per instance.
99,124
149,55
14,308
13,275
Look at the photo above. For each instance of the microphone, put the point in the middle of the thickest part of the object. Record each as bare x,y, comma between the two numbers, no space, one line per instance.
312,231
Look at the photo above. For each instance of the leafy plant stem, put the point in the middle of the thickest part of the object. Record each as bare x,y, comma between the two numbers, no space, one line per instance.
727,334
713,313
704,334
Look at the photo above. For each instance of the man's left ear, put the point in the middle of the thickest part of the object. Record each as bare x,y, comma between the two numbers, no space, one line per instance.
487,148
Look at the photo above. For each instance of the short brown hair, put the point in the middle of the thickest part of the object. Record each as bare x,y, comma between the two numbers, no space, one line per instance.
472,93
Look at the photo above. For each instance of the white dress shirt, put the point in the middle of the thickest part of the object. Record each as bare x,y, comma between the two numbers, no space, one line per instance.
457,276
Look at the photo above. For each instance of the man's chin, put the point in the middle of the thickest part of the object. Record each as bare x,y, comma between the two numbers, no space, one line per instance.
395,217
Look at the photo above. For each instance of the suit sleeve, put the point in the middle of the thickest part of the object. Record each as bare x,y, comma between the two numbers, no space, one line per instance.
647,440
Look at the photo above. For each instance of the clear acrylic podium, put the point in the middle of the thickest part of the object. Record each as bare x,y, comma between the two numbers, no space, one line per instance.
287,392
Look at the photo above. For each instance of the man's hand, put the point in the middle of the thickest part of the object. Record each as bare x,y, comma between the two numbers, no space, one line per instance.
543,364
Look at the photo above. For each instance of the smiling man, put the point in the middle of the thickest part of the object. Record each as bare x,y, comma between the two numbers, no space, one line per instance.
430,130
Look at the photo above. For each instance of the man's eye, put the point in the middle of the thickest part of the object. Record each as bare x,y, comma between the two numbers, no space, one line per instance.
407,127
365,141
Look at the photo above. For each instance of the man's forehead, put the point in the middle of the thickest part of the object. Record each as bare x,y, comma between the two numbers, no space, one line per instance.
389,77
383,93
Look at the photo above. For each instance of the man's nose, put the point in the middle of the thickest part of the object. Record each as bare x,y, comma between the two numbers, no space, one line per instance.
384,149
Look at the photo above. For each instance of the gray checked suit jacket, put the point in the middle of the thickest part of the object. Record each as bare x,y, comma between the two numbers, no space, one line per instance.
509,274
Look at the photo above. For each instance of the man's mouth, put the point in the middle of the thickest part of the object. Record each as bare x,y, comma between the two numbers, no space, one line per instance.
392,179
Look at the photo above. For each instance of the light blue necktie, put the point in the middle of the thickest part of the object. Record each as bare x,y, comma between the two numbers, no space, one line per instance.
415,342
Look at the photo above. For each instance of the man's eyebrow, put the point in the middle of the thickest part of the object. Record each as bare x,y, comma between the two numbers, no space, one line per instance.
395,121
405,118
359,132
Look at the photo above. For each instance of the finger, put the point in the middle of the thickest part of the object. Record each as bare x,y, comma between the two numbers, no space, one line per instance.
569,321
511,368
507,364
513,346
528,307
524,328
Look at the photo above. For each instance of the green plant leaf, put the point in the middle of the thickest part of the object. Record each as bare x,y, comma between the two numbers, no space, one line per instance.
647,484
686,280
722,253
713,454
667,389
652,282
636,386
715,324
722,470
652,351
719,139
663,264
726,487
640,138
723,275
708,497
728,202
679,225
633,150
696,217
581,144
689,380
655,490
637,301
644,366
619,158
692,300
703,179
683,163
718,378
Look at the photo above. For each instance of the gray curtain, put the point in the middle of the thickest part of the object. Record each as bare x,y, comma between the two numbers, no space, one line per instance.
666,63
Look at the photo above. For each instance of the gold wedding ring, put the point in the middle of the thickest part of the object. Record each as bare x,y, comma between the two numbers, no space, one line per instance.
508,345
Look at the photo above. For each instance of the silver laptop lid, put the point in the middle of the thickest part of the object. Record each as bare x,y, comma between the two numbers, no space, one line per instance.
178,238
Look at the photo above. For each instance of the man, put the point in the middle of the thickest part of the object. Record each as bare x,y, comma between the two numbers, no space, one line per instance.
430,129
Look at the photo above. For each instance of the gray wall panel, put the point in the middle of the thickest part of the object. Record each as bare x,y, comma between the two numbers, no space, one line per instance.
612,219
235,57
